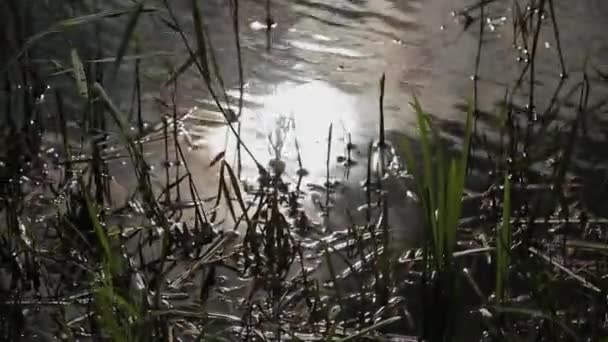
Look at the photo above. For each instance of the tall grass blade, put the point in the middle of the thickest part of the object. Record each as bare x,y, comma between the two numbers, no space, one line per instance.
101,234
128,34
106,299
429,193
63,25
200,39
91,18
79,74
440,185
453,199
503,244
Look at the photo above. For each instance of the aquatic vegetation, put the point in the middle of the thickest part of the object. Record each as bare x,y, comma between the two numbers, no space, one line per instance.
111,231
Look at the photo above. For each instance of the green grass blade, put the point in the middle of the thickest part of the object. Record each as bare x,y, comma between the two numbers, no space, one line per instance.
443,201
503,243
108,302
427,177
116,116
106,315
91,18
120,302
79,74
458,171
468,135
426,152
64,25
200,39
454,199
94,217
126,37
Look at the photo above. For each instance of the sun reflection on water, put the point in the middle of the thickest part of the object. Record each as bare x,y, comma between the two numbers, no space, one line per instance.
295,111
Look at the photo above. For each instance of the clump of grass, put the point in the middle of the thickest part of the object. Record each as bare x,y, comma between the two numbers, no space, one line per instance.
440,186
119,315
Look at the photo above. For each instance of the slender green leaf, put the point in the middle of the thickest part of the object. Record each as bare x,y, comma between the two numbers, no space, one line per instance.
453,212
503,243
79,74
441,190
99,231
427,178
200,39
106,315
91,18
132,57
126,37
468,134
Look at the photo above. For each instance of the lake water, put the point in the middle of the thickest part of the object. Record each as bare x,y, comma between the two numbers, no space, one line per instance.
326,58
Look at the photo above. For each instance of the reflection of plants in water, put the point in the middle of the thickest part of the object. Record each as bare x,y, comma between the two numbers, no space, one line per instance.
276,143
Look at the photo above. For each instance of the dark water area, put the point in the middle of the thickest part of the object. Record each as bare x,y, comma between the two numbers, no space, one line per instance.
319,67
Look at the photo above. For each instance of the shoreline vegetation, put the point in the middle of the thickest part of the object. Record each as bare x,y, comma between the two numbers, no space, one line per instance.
85,258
